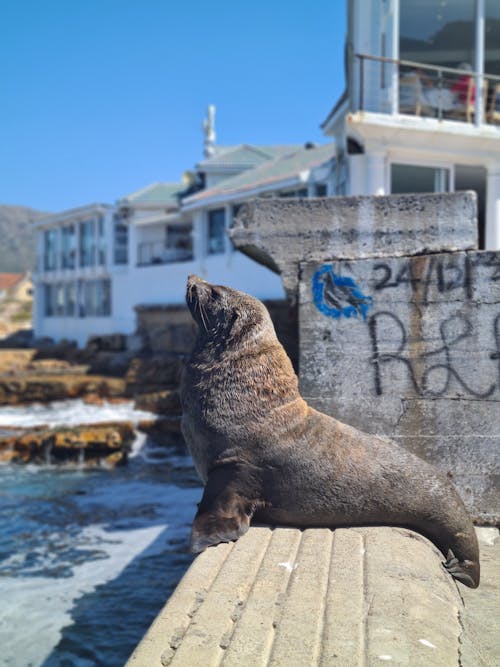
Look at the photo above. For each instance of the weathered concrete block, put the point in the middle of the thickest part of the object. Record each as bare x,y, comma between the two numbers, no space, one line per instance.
281,233
409,347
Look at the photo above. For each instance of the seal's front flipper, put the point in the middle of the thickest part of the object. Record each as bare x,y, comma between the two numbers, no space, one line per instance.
465,571
226,508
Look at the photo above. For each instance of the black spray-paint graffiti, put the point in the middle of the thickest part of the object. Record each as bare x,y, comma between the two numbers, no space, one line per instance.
435,379
431,372
442,274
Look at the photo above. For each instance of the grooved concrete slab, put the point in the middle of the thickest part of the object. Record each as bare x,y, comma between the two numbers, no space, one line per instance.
286,597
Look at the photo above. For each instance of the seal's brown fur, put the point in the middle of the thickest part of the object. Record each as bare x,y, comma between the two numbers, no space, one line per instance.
262,451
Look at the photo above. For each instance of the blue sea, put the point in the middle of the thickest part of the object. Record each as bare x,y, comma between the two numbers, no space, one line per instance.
88,558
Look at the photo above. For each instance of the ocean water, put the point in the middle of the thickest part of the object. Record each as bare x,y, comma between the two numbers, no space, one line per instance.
88,558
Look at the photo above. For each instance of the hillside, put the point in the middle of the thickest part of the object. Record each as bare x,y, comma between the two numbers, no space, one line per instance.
17,247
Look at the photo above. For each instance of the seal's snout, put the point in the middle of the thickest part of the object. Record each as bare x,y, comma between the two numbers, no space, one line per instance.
194,279
194,288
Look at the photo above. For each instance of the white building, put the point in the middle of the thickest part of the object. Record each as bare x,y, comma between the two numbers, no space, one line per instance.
410,119
97,262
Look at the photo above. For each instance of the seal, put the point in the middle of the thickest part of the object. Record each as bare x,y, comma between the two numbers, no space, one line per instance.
262,452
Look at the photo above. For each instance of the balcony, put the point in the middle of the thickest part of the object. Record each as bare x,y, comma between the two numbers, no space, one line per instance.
149,254
385,85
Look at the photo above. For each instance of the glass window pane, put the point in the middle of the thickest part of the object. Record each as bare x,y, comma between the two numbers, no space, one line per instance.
68,242
120,241
407,178
50,249
439,32
179,243
216,231
87,243
49,301
492,37
69,299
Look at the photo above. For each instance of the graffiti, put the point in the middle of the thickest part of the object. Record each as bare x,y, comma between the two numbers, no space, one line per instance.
409,328
495,356
338,296
446,274
436,377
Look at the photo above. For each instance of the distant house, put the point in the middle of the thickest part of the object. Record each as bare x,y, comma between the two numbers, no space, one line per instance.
421,109
97,263
15,286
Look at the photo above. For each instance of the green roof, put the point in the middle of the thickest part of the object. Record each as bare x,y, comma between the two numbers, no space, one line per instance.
156,193
244,156
273,171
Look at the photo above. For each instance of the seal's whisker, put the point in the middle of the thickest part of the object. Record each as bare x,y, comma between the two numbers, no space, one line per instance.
203,316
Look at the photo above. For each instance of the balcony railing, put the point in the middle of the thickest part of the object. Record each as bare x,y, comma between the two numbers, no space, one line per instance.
418,89
156,253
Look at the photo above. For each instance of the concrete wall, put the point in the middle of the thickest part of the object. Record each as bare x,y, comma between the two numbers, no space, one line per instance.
281,233
171,329
409,347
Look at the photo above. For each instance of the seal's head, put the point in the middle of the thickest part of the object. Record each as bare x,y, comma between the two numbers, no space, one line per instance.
223,313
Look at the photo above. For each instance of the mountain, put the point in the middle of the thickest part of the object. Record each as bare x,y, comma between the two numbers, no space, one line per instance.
17,238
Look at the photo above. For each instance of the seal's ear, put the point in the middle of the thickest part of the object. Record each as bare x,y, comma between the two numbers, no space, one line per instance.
224,512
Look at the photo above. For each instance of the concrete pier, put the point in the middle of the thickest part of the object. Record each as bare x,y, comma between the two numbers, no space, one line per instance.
355,596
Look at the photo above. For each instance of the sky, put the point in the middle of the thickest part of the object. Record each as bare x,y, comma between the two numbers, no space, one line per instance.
100,98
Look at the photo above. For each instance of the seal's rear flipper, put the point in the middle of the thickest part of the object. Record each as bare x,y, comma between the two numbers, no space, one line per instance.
225,510
213,528
465,571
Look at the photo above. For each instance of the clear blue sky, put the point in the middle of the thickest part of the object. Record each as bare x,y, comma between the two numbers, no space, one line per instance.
102,97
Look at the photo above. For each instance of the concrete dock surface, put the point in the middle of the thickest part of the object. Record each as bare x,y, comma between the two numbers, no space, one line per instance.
353,597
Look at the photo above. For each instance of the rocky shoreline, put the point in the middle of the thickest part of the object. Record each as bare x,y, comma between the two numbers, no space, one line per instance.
61,372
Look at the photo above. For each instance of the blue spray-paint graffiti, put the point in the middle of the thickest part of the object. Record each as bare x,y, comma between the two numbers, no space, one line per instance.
338,296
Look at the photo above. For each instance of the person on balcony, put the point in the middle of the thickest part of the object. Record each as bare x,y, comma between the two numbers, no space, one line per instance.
461,87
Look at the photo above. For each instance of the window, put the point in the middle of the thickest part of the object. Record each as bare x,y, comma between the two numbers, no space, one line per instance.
470,177
179,242
101,242
120,241
68,250
49,299
294,193
408,178
320,190
95,298
492,37
69,299
87,243
216,231
236,210
437,32
50,249
59,299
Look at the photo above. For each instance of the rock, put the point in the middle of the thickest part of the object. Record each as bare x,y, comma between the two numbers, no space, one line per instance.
93,399
88,446
27,388
22,338
114,364
15,360
112,343
166,403
152,374
164,431
65,349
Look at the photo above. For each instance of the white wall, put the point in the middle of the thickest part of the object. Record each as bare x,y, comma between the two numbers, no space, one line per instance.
166,283
78,329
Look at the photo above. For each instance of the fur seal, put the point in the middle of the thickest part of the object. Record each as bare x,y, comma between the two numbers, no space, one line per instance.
262,452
